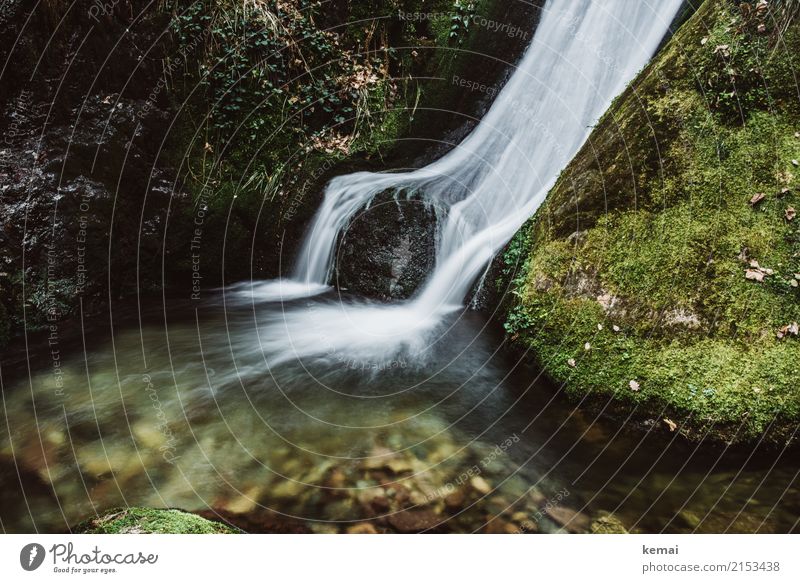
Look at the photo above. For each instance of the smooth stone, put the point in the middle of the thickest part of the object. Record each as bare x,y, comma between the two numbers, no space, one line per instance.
362,528
246,502
148,435
500,526
413,520
569,519
480,485
455,500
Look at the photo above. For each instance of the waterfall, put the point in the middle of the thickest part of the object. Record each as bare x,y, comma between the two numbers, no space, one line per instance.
583,54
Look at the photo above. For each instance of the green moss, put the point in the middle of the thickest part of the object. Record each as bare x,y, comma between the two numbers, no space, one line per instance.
151,521
608,524
666,233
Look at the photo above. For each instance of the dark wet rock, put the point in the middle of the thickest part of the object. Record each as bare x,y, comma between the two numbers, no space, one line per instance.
380,504
487,57
18,483
388,249
402,495
84,189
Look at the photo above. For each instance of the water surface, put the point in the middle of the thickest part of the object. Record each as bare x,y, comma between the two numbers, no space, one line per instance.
186,411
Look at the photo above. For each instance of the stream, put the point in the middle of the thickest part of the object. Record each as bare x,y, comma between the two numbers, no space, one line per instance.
288,403
183,411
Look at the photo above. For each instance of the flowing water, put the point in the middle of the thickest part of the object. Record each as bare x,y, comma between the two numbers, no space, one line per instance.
183,411
583,54
329,410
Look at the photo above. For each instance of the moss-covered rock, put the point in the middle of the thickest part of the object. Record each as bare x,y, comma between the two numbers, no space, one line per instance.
151,521
607,523
661,275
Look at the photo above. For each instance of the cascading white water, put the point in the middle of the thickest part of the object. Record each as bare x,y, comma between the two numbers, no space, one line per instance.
583,54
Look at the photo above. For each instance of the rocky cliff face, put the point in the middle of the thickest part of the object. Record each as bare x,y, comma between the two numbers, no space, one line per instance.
661,276
84,193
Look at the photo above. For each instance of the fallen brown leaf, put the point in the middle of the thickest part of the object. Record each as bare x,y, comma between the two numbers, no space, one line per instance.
755,275
671,424
757,198
790,213
793,329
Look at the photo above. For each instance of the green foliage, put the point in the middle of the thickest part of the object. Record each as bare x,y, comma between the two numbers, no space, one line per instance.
460,20
664,193
151,521
267,72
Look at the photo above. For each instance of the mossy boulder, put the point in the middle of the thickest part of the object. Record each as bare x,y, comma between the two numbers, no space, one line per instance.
151,521
661,274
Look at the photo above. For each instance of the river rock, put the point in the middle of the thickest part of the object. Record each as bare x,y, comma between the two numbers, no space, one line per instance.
567,518
362,528
607,523
500,526
336,479
455,500
408,521
380,504
286,489
388,250
480,485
